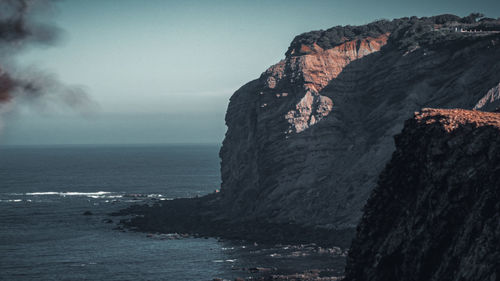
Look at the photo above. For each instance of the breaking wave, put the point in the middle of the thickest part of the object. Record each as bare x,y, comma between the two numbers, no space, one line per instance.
109,196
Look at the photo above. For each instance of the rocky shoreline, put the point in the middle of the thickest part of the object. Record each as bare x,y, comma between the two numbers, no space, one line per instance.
196,217
290,242
311,275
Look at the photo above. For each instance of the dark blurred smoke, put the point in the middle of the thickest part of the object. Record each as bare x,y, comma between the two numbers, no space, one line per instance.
17,25
23,24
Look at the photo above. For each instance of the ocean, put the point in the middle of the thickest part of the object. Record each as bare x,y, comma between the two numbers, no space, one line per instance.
44,234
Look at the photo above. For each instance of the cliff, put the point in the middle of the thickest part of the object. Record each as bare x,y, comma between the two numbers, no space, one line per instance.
306,141
435,211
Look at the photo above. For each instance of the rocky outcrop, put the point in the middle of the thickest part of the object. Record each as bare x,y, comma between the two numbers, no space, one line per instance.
435,211
314,69
491,101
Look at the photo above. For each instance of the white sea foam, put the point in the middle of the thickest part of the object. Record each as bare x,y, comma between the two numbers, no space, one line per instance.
155,195
12,200
94,195
69,193
42,193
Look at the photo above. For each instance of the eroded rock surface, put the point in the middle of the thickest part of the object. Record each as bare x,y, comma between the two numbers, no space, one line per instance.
436,210
491,101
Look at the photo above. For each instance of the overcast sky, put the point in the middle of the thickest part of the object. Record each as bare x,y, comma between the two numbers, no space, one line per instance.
163,71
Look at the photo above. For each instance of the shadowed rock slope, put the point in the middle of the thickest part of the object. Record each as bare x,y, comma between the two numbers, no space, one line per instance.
307,140
436,210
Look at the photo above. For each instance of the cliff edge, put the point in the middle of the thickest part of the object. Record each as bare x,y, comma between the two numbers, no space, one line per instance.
435,211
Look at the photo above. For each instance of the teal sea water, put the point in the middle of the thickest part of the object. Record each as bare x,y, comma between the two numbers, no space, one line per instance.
44,235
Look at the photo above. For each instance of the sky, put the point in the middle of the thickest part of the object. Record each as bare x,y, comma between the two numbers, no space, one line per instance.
163,71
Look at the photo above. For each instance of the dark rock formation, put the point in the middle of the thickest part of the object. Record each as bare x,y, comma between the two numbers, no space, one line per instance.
197,216
435,212
307,140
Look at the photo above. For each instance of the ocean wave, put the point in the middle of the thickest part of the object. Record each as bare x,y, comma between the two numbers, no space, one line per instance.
111,196
95,195
69,193
12,200
219,261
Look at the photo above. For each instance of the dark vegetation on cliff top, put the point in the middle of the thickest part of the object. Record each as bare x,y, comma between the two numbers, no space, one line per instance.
406,32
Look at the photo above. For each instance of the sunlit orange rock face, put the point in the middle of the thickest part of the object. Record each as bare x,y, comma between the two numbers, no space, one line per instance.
313,68
318,67
451,119
307,140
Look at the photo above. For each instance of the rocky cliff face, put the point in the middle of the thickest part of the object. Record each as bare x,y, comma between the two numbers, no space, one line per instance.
307,140
434,214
